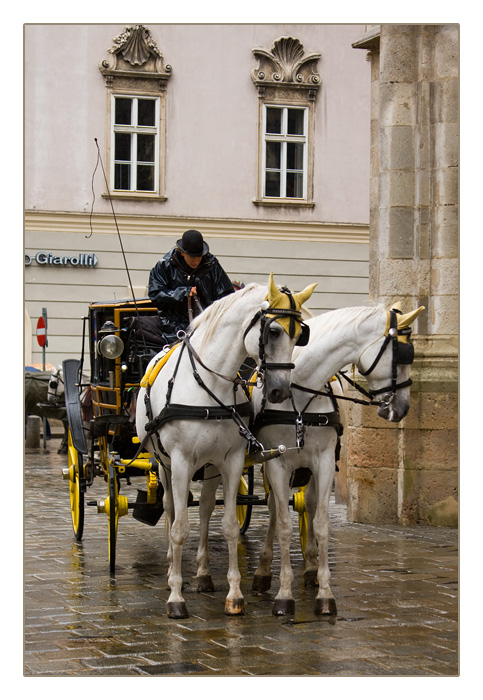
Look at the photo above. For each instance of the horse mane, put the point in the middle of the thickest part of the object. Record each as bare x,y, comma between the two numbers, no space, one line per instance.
208,321
350,317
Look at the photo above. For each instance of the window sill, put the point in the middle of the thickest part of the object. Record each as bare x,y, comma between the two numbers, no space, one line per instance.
135,195
283,202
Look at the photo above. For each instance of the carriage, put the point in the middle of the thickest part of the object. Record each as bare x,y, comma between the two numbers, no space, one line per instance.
120,338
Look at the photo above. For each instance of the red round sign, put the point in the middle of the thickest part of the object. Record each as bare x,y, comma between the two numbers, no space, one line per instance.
41,332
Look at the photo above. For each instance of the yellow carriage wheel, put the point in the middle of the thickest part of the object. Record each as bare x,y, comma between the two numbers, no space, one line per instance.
299,507
76,473
112,510
244,512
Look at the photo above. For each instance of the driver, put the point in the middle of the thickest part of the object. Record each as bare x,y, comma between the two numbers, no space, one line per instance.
184,282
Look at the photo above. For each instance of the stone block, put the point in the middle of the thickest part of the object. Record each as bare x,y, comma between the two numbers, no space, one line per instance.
445,315
372,495
401,232
397,147
445,101
446,145
432,411
398,104
444,276
397,278
427,498
446,51
430,449
445,239
372,447
399,53
397,188
446,186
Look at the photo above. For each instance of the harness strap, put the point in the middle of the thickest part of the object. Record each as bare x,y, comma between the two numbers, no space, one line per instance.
274,417
184,412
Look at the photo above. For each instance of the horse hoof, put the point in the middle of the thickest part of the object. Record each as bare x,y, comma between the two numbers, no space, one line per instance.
205,584
283,606
176,610
325,606
235,607
261,583
310,579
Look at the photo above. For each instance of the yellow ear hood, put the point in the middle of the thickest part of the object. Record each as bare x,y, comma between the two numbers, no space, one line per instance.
403,320
406,320
279,300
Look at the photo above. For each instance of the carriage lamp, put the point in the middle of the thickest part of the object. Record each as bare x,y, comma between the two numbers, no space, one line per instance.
111,345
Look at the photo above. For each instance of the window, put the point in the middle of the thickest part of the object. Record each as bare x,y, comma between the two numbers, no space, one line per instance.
287,82
285,152
136,80
135,138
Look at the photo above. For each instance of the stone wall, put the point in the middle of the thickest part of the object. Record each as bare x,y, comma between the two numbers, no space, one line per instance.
408,472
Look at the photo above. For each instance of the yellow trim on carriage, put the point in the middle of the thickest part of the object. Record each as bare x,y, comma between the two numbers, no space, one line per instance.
152,373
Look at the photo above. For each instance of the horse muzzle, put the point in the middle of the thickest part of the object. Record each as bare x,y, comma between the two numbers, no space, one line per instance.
390,410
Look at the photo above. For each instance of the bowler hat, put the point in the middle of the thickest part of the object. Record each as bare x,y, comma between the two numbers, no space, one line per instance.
192,244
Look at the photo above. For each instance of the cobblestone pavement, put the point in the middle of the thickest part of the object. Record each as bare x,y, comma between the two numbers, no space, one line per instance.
396,590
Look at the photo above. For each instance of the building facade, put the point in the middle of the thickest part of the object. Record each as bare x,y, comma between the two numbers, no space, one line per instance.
407,472
257,135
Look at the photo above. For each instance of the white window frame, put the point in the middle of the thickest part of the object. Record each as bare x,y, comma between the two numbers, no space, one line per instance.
135,130
284,138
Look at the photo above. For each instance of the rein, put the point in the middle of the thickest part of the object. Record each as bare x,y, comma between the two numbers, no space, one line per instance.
222,411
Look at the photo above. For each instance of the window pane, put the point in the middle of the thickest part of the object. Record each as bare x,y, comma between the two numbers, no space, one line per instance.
122,149
272,184
295,185
123,110
295,156
146,148
295,122
145,178
273,154
146,112
122,176
274,120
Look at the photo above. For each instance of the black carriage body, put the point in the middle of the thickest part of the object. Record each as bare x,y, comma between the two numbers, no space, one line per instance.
114,383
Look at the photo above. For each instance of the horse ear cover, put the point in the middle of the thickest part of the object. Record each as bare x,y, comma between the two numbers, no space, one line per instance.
279,300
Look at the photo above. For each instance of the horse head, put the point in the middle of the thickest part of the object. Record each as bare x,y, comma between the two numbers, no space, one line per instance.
281,327
386,364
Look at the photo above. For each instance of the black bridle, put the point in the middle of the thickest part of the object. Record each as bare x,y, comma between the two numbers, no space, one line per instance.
267,316
402,354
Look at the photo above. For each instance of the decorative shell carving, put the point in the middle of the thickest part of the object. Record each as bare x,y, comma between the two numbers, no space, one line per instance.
286,63
135,44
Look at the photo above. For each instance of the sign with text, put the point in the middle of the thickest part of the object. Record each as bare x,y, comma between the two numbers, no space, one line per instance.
80,260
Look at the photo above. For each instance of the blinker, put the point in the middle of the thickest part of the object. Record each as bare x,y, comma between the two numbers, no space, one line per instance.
304,336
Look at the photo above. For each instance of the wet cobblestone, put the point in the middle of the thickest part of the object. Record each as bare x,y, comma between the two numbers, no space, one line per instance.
396,590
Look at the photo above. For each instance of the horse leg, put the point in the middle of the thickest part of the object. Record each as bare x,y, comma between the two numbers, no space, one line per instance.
207,505
262,578
325,601
176,606
284,603
311,551
234,603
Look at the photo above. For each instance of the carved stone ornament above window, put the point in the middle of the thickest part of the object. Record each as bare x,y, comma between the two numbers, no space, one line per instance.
287,66
134,55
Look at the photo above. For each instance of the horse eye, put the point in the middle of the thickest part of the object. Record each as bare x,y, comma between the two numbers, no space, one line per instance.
274,333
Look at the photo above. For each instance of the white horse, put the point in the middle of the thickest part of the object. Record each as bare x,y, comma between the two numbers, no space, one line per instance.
377,342
196,392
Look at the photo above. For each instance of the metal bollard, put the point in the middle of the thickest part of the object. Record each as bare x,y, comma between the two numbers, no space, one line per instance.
32,438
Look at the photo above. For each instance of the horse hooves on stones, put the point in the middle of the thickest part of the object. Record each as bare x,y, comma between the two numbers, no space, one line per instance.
261,583
283,606
177,610
205,584
235,607
325,606
310,579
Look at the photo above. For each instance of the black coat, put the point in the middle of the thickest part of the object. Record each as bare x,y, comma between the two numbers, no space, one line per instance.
170,282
